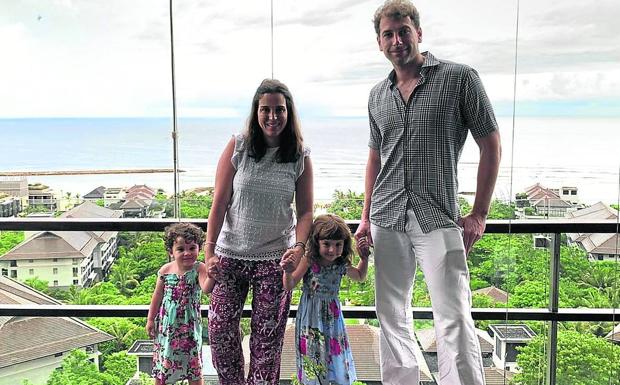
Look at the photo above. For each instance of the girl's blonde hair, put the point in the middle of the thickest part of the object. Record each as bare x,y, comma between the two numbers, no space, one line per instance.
330,226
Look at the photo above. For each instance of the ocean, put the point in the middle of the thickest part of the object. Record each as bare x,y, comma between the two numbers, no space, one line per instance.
555,152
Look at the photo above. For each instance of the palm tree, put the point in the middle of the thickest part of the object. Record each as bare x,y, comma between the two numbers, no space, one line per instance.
78,296
124,276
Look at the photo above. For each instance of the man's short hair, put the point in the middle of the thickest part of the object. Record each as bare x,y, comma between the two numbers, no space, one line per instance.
396,9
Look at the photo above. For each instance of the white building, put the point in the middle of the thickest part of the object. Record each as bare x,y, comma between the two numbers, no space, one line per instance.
599,246
33,347
65,258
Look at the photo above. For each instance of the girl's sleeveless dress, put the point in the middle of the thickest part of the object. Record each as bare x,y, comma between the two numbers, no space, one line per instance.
178,344
322,343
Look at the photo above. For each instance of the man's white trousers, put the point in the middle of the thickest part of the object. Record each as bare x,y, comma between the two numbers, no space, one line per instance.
441,256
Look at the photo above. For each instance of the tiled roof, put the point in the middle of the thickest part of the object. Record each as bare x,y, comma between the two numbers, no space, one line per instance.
65,244
596,243
43,245
614,335
97,193
498,295
29,338
495,376
428,342
598,210
91,210
141,187
550,202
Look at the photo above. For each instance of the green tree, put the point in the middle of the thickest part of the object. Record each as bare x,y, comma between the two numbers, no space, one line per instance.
347,205
123,275
10,239
120,367
77,370
582,359
124,331
35,209
78,296
192,205
38,284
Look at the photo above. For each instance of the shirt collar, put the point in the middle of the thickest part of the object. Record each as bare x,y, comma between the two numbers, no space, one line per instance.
429,61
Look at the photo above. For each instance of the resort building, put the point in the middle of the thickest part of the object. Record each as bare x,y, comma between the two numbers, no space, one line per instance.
15,187
96,195
113,195
65,258
33,347
10,206
42,196
507,339
547,202
138,202
600,247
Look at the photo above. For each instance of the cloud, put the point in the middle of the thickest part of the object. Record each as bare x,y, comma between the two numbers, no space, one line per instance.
107,58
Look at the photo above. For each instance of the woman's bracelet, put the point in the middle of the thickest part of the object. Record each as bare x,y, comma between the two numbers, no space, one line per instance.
303,245
210,243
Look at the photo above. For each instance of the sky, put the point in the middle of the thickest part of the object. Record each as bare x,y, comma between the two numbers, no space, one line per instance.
111,58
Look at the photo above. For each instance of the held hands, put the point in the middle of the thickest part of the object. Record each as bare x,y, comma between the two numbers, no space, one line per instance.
363,247
214,268
290,259
473,227
363,238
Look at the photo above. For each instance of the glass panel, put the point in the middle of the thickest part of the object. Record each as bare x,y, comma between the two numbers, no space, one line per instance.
222,54
598,361
85,91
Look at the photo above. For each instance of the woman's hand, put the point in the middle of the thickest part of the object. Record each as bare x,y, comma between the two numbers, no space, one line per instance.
291,257
214,268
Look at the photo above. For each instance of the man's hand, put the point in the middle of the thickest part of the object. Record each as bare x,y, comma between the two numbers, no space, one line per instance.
362,235
363,248
473,227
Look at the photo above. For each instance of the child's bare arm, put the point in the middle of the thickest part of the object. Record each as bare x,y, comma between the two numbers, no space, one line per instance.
206,283
358,273
291,278
156,299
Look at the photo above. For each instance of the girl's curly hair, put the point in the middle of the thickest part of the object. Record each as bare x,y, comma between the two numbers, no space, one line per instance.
330,226
187,231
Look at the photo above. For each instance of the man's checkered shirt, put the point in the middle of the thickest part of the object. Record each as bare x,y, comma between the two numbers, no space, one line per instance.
420,143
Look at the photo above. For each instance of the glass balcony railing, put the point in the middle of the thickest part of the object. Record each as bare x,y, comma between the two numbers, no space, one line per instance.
546,331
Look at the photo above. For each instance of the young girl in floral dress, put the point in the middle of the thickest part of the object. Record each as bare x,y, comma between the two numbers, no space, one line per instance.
174,315
323,352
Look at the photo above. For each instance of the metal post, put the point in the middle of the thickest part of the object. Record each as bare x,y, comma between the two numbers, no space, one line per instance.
175,144
554,295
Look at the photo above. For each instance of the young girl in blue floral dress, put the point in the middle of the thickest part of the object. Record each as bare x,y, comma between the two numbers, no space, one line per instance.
323,351
174,314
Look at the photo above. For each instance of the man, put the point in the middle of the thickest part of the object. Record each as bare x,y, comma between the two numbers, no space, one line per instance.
419,119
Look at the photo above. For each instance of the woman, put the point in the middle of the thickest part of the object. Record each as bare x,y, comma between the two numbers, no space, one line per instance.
252,226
